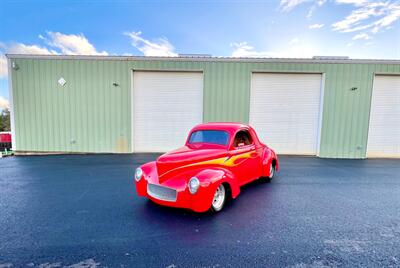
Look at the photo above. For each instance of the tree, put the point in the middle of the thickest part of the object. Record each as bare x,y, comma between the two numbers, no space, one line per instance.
5,120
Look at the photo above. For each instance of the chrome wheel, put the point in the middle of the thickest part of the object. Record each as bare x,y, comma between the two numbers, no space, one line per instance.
271,171
219,198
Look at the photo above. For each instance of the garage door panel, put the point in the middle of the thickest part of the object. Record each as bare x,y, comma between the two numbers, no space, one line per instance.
166,105
384,126
284,109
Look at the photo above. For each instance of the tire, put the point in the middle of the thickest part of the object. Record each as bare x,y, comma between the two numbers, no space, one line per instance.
271,173
219,199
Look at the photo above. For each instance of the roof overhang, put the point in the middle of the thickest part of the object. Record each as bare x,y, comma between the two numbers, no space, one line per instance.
204,59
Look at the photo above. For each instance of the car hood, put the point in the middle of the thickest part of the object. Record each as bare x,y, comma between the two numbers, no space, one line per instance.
186,157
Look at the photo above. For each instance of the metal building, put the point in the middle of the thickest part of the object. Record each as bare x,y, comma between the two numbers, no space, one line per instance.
329,107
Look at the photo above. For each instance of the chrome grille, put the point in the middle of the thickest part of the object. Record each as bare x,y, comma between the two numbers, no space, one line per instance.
161,192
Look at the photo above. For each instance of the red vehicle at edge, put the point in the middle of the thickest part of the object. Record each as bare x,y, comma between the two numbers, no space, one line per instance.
5,141
216,160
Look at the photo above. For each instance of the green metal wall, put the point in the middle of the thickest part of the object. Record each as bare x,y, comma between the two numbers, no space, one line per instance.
49,117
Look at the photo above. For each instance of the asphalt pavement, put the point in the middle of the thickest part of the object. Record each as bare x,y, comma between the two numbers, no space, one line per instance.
82,211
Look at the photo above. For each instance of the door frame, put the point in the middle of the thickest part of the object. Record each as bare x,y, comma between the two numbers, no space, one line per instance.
375,74
132,74
321,101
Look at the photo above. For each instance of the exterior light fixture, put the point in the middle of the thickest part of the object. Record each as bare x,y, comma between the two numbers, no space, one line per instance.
14,65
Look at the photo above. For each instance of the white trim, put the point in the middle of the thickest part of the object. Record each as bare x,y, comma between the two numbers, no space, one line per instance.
202,59
249,100
132,117
321,111
202,97
285,72
12,117
369,114
386,74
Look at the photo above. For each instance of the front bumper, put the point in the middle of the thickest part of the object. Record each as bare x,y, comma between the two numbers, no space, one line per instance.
178,197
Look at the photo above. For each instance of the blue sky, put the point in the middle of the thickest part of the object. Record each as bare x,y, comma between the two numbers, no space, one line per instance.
281,28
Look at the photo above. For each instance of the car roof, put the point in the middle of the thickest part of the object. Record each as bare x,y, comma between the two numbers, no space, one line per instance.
227,126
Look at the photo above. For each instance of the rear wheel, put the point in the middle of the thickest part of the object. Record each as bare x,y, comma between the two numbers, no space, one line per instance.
219,199
271,173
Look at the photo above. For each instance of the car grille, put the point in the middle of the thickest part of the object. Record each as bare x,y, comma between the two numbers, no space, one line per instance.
161,192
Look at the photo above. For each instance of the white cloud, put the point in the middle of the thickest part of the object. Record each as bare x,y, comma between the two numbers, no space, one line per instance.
294,41
352,2
315,26
392,15
3,66
19,48
361,36
159,47
287,5
310,12
318,3
375,16
67,44
244,50
4,103
71,44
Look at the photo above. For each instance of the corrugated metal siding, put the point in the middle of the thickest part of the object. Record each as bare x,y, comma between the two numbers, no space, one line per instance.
88,114
97,115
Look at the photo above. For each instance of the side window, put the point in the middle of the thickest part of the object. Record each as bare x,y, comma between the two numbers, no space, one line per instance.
242,138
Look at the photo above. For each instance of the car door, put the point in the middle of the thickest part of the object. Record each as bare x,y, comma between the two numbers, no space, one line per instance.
244,157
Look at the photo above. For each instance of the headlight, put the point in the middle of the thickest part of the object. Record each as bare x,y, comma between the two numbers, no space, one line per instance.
194,185
138,174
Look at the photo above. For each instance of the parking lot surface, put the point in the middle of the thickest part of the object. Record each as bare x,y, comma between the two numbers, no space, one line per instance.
82,211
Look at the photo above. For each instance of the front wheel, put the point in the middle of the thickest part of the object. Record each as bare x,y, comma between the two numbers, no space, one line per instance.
219,199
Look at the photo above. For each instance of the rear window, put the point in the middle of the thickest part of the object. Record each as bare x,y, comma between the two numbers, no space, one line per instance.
209,136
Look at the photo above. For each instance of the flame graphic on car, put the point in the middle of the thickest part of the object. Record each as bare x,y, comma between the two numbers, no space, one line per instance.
227,161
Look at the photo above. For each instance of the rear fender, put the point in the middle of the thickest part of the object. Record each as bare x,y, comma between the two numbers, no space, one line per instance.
269,156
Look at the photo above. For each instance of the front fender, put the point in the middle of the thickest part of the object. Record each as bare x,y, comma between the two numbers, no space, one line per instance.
149,171
210,179
215,176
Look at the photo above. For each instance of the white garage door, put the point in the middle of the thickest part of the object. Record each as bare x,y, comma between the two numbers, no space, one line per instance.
384,124
285,109
166,105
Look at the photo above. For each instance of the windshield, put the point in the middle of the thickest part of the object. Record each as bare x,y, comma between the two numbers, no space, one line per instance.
209,136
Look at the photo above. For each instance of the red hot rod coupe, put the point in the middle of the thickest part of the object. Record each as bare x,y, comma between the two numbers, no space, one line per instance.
216,160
